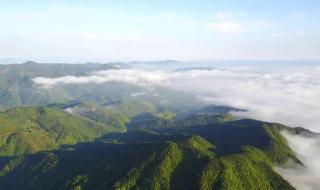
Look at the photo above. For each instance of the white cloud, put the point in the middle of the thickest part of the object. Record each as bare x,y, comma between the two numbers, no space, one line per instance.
235,22
305,177
227,27
286,96
169,14
297,15
289,96
138,77
136,18
228,15
242,13
261,24
223,15
226,23
277,35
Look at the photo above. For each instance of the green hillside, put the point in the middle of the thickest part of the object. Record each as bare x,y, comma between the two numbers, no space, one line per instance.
30,129
149,120
230,155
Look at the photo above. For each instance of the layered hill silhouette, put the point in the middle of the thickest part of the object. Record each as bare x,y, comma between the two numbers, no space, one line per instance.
215,154
123,136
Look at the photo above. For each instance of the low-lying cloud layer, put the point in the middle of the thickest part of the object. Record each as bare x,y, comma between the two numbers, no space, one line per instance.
138,77
308,176
290,96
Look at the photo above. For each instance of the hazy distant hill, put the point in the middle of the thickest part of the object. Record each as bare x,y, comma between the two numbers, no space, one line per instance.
18,89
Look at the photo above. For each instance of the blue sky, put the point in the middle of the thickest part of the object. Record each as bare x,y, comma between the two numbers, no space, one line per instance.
159,29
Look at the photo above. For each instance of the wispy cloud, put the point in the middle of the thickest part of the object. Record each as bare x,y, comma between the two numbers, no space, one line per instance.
305,177
223,15
169,14
224,22
297,15
277,35
235,22
228,15
227,27
136,18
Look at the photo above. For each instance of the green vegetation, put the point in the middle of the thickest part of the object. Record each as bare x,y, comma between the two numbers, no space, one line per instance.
149,120
205,119
122,136
278,150
189,163
250,170
28,130
231,155
168,120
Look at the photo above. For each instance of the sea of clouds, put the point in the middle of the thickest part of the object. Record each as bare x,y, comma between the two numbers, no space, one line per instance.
288,95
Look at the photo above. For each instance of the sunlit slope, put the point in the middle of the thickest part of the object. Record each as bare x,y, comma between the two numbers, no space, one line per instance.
232,155
29,129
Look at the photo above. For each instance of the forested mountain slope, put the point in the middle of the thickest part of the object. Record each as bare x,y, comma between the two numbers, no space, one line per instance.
230,155
32,129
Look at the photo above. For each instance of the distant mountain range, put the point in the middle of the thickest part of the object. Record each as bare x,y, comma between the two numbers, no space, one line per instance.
18,89
99,136
168,61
